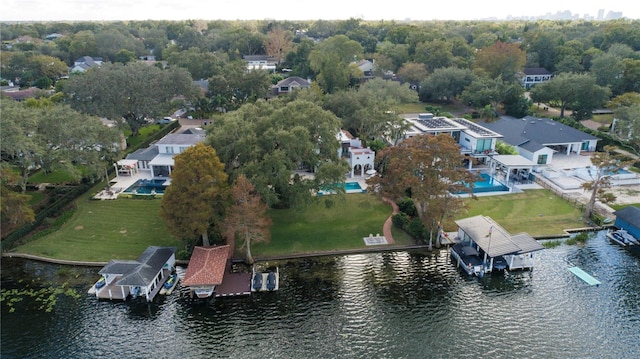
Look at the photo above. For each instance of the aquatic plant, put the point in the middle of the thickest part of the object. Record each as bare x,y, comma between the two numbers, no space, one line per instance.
46,297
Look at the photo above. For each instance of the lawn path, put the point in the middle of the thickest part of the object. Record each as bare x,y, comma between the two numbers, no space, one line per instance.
386,228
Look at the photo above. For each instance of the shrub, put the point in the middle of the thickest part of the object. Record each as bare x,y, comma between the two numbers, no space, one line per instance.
416,229
400,220
406,206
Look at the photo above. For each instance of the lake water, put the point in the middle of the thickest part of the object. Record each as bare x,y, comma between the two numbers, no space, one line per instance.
383,305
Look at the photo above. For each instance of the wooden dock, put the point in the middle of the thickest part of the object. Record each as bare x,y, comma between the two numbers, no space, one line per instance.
234,284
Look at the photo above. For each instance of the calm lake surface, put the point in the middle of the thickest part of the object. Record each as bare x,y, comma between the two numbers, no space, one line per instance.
384,305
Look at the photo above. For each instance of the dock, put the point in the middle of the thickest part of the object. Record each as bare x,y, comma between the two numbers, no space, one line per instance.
584,276
234,284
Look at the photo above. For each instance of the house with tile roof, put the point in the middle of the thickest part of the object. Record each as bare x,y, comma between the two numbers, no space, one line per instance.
144,276
206,270
537,139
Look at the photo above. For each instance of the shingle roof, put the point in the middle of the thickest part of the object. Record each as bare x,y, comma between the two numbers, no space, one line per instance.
294,81
144,154
536,71
142,271
494,239
180,139
206,266
151,262
630,215
542,131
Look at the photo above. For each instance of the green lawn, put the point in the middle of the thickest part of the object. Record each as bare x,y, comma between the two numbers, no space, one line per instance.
318,228
122,229
537,212
104,230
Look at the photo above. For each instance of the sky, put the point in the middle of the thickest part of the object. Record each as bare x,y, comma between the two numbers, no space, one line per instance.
96,10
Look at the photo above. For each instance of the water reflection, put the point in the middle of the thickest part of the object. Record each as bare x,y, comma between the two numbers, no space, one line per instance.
396,305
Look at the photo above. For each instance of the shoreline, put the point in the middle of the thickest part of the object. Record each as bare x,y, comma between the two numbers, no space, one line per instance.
393,248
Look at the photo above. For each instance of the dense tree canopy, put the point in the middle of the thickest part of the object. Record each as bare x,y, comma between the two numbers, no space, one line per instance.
133,92
266,141
54,137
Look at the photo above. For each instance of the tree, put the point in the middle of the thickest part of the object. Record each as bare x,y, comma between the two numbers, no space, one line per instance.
267,141
15,209
247,218
427,169
133,92
195,200
445,84
500,60
484,92
571,89
333,59
626,114
413,73
606,163
54,137
234,86
278,43
370,112
434,54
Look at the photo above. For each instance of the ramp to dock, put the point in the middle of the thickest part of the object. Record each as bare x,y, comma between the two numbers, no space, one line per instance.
584,276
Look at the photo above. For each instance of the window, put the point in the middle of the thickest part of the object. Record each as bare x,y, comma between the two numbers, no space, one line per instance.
542,159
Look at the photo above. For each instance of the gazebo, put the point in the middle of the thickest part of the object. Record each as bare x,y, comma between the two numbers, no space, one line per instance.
511,165
126,167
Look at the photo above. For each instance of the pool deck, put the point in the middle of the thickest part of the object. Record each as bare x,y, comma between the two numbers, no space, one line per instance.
118,184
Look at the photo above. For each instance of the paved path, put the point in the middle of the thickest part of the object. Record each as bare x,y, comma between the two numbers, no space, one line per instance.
386,228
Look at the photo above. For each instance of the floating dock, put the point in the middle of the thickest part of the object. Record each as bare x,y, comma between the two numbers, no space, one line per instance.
584,276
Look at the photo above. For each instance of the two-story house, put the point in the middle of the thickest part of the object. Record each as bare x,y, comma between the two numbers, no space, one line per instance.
158,158
260,62
360,159
532,76
289,85
474,140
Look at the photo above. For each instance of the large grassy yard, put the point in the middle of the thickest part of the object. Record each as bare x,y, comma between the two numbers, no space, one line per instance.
105,230
537,212
319,228
123,228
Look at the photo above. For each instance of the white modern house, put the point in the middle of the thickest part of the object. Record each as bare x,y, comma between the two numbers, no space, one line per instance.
158,158
537,139
474,140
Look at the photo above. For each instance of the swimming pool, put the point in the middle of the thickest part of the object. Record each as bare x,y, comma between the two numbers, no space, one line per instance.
349,187
487,183
144,186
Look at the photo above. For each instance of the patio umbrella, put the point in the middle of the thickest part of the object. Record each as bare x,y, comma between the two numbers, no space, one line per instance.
371,172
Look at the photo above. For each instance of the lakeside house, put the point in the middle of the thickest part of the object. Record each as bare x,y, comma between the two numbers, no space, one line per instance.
486,246
142,277
537,139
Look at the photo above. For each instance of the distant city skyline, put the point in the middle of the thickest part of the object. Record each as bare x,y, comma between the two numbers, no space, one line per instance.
108,10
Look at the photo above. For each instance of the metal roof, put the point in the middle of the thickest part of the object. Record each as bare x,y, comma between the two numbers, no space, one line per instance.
495,240
630,214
